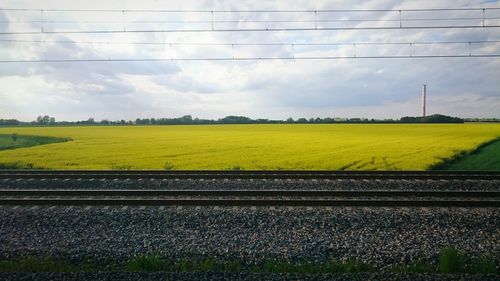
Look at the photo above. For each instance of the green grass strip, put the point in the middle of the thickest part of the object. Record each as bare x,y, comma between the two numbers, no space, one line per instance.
14,141
450,261
485,158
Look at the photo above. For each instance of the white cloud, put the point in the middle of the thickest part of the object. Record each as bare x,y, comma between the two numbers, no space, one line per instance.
267,89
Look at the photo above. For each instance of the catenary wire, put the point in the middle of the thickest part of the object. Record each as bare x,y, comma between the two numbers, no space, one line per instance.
249,58
247,21
249,11
247,30
248,44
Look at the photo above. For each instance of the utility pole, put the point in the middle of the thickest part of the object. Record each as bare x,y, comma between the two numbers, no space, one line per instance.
424,97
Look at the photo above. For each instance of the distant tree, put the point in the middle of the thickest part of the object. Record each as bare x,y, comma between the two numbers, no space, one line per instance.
44,120
408,119
14,137
52,120
188,117
436,118
9,122
261,121
140,121
235,120
290,120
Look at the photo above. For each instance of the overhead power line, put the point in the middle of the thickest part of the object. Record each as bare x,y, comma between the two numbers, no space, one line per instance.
249,11
479,15
249,44
247,30
400,22
249,58
246,21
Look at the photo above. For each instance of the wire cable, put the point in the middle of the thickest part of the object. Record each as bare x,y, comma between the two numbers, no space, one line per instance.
248,21
247,44
248,30
249,11
249,58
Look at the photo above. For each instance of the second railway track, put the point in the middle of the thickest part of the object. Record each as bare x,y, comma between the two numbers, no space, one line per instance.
251,198
210,174
247,197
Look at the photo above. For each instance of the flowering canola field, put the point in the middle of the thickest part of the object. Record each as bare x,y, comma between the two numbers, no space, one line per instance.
270,146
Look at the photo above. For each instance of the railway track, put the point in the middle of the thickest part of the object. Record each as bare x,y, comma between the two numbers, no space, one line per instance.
211,174
387,198
250,198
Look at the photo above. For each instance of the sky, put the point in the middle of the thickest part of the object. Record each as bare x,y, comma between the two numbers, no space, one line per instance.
274,89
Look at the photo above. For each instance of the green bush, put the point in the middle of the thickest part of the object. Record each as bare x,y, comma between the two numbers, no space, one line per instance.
451,261
168,166
232,266
120,167
421,266
483,265
32,264
234,168
147,263
353,266
185,266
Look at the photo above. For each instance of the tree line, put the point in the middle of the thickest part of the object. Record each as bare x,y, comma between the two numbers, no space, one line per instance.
436,118
189,120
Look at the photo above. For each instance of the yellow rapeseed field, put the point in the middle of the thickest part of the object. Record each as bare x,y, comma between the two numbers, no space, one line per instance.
294,146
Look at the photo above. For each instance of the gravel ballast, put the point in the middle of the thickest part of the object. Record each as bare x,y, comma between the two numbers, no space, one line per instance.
381,237
378,236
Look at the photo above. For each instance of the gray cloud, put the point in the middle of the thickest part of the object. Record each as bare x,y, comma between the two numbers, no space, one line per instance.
4,24
272,89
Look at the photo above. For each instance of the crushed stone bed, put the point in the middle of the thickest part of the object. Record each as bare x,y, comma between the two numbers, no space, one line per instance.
378,236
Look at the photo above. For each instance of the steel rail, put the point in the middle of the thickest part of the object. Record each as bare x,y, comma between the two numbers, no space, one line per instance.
250,202
242,193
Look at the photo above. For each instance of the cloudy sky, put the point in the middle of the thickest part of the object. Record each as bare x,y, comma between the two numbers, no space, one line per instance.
277,89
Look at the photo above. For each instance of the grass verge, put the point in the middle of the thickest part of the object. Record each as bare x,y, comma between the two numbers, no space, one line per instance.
32,264
14,141
486,158
450,261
